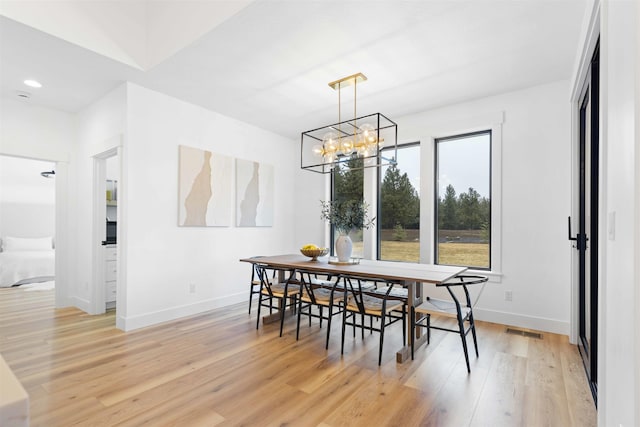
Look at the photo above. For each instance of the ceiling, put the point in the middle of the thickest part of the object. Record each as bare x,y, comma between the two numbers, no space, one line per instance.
268,62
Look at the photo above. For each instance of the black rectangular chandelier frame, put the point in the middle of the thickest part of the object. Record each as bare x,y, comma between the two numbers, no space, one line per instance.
385,130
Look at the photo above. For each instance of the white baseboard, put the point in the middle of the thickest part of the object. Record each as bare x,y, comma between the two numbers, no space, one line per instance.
120,322
529,322
148,319
80,303
173,313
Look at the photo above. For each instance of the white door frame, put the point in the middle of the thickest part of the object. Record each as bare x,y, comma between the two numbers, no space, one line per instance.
62,253
97,300
62,230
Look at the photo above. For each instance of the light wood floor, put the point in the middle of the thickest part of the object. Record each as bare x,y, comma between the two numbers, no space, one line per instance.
216,369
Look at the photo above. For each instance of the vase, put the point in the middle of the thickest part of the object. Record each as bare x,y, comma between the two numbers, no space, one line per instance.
344,246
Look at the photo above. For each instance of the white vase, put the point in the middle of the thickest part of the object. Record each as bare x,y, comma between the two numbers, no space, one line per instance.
344,247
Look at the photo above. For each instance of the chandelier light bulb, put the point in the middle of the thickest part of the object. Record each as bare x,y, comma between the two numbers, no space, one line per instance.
329,137
318,150
368,132
346,147
329,142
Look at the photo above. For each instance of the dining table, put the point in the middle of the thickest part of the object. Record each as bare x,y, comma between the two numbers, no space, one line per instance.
409,275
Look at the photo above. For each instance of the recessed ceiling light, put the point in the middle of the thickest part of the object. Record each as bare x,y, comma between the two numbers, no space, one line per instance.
33,83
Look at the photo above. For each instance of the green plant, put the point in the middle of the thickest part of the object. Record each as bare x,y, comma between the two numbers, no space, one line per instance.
346,215
399,233
485,233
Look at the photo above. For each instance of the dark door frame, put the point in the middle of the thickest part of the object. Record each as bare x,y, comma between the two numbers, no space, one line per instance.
586,241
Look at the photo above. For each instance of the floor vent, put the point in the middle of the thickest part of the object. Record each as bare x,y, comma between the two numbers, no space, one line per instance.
528,334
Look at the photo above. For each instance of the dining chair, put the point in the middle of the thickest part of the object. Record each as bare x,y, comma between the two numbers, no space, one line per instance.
375,303
462,312
320,294
276,285
254,285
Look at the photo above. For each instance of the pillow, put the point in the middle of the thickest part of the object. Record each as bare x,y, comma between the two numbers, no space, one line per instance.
15,244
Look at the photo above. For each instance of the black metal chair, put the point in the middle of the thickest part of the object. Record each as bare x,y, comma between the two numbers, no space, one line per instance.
363,298
254,286
461,312
272,289
321,294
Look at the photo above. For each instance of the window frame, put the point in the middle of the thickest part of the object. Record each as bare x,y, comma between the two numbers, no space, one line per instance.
426,136
491,120
436,166
332,229
379,176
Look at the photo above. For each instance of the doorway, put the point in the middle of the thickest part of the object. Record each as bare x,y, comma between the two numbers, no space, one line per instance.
105,231
587,240
27,224
111,239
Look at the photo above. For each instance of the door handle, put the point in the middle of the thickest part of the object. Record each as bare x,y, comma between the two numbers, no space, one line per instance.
569,230
580,239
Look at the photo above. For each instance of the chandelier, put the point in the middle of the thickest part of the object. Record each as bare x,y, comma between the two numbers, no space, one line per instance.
356,143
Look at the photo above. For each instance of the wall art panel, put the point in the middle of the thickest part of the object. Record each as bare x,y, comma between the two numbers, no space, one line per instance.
254,194
204,188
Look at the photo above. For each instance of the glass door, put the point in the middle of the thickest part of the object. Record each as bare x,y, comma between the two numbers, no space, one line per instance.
586,241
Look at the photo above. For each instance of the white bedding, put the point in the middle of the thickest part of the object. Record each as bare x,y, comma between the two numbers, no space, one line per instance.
26,266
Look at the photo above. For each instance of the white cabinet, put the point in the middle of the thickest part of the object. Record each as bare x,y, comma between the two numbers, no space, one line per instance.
110,274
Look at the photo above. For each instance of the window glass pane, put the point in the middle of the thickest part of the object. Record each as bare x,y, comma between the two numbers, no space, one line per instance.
463,194
399,214
348,185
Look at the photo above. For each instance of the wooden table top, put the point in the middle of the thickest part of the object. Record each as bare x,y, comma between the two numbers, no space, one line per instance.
387,270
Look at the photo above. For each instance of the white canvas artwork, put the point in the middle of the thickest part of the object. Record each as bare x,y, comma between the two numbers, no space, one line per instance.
254,194
204,188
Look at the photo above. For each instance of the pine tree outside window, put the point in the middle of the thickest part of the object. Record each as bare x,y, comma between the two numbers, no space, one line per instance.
463,200
399,207
347,184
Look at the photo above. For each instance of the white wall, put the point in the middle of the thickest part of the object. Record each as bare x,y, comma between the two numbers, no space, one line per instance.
35,132
619,349
113,168
310,188
159,258
163,259
535,200
27,200
99,129
42,133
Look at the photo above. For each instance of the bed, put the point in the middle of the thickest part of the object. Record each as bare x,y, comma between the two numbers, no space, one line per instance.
26,260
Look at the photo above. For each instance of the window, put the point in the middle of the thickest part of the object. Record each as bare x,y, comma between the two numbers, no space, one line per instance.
463,200
399,209
347,180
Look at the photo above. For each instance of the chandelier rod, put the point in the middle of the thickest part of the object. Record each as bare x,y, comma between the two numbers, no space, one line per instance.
355,100
339,116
